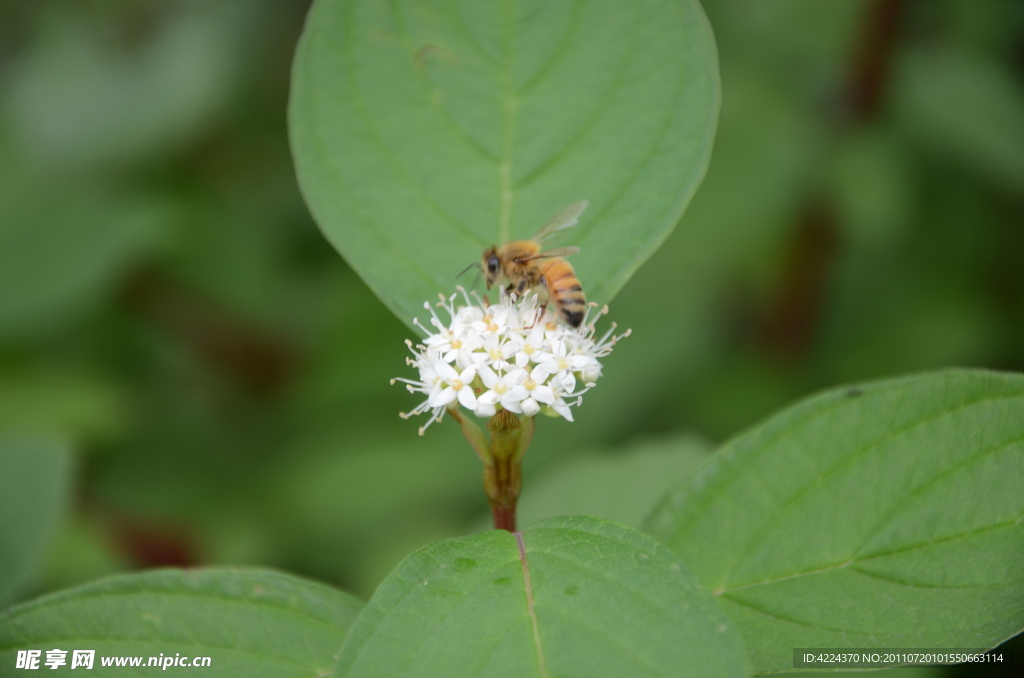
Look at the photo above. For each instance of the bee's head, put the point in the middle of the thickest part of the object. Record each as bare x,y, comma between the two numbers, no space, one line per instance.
491,266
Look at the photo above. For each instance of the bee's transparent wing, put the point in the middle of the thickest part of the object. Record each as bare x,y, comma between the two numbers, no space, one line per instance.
558,252
564,219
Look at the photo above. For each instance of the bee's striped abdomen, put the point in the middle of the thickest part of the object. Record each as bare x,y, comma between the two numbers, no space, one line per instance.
565,291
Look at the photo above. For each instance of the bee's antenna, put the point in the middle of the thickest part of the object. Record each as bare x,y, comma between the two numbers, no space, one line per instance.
467,268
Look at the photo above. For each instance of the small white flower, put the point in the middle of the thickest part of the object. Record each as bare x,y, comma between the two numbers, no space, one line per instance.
561,408
458,336
537,391
513,355
591,372
459,386
485,410
565,362
430,384
496,351
504,389
530,407
531,349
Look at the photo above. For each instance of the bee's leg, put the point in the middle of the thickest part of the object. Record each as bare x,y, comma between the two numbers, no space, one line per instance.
522,286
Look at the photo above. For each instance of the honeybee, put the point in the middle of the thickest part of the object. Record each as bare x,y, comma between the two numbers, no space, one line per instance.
525,266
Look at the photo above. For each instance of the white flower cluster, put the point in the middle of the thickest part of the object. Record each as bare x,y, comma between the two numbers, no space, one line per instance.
512,355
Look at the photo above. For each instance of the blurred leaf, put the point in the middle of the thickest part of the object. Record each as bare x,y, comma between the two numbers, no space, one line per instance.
740,387
987,25
240,249
378,557
343,483
789,42
424,132
887,317
80,552
249,622
923,301
58,255
873,184
622,487
969,107
34,484
73,405
884,515
323,502
767,151
551,603
78,99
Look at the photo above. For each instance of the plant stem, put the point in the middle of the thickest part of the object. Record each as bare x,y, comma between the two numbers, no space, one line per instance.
502,482
503,476
502,459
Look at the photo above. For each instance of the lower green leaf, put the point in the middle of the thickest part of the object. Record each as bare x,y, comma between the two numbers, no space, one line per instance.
886,515
569,597
248,622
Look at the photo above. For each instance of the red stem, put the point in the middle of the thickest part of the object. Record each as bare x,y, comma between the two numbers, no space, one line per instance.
504,517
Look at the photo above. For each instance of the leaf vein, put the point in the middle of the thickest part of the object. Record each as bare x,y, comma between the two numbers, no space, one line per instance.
441,110
560,52
931,481
508,129
411,264
910,584
987,528
597,111
460,23
388,154
763,533
541,667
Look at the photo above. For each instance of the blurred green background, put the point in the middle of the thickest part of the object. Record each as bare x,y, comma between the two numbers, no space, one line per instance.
168,307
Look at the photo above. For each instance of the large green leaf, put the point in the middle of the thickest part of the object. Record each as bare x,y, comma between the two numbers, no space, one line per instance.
424,132
248,622
570,596
34,482
886,515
